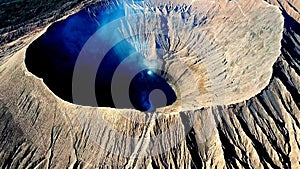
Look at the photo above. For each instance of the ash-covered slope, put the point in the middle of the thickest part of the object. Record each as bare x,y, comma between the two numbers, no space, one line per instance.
39,130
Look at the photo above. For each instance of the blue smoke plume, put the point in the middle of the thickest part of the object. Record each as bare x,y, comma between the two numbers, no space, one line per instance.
53,57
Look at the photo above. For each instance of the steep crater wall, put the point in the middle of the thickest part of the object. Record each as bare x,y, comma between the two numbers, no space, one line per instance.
202,63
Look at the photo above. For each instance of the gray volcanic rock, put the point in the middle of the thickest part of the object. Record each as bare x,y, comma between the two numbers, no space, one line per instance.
247,117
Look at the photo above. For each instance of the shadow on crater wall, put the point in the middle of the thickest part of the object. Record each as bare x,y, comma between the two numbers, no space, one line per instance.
53,56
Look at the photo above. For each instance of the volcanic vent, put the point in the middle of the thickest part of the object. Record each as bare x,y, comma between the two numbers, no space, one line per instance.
54,56
145,56
209,53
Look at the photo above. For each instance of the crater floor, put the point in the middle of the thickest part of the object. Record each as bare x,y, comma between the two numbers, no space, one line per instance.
54,55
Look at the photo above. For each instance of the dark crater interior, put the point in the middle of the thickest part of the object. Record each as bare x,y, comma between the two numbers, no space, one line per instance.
53,56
